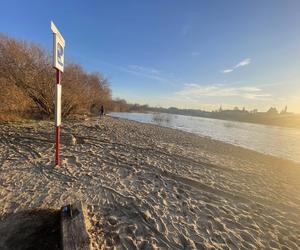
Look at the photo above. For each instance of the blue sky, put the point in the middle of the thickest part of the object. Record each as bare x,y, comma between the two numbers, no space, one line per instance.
188,54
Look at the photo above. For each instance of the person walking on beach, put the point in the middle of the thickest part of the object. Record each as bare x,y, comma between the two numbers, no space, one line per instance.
101,111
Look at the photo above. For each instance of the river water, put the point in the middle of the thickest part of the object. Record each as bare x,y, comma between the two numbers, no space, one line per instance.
277,141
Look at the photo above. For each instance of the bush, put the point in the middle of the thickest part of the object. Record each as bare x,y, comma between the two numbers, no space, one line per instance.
27,82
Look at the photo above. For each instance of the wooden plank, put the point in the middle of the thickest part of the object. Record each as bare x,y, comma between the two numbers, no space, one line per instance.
73,227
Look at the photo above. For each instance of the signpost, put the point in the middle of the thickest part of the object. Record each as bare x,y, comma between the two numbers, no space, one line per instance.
58,64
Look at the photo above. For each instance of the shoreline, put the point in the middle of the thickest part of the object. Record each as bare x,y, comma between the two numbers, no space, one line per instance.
216,140
293,126
152,187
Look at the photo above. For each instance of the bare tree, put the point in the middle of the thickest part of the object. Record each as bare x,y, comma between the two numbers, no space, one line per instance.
27,71
28,67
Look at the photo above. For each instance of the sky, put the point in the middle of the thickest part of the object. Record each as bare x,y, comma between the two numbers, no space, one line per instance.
185,54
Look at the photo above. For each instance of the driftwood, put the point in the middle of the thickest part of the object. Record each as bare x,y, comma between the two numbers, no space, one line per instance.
74,233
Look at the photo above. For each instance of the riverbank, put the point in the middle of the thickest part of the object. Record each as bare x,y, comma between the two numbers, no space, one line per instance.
148,186
271,118
271,140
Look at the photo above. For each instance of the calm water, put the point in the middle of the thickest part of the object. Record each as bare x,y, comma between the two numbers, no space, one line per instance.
272,140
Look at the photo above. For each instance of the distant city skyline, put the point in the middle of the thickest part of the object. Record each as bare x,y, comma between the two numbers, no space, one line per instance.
195,54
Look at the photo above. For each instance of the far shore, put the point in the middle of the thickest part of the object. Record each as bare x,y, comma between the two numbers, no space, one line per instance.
289,120
150,187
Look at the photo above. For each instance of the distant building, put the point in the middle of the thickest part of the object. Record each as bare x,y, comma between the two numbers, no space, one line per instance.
284,111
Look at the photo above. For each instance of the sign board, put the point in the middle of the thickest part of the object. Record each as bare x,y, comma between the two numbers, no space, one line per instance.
58,105
58,48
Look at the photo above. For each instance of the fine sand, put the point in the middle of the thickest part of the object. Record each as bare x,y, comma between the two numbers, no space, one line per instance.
148,187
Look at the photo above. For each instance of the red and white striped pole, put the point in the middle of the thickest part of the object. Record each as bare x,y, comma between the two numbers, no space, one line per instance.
58,64
57,116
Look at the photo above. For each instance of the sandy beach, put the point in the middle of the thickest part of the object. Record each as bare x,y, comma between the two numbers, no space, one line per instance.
148,187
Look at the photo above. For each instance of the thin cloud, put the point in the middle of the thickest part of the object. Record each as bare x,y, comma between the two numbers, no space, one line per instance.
146,72
145,69
195,91
195,53
225,71
242,63
185,30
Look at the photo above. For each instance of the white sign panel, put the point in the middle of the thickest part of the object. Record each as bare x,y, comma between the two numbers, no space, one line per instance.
58,48
58,105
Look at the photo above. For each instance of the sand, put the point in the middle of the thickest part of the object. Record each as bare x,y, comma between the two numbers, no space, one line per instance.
148,187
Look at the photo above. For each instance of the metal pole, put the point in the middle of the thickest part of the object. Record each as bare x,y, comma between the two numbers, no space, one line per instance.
57,153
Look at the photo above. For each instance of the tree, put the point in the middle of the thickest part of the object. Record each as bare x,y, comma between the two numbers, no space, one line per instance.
84,92
26,71
284,111
272,111
28,67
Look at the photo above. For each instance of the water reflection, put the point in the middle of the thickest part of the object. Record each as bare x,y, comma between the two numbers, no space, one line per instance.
162,119
277,141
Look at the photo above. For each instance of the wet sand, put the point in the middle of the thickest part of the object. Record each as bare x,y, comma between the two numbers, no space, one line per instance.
148,187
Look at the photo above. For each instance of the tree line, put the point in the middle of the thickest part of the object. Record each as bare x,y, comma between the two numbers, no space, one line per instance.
27,83
270,117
